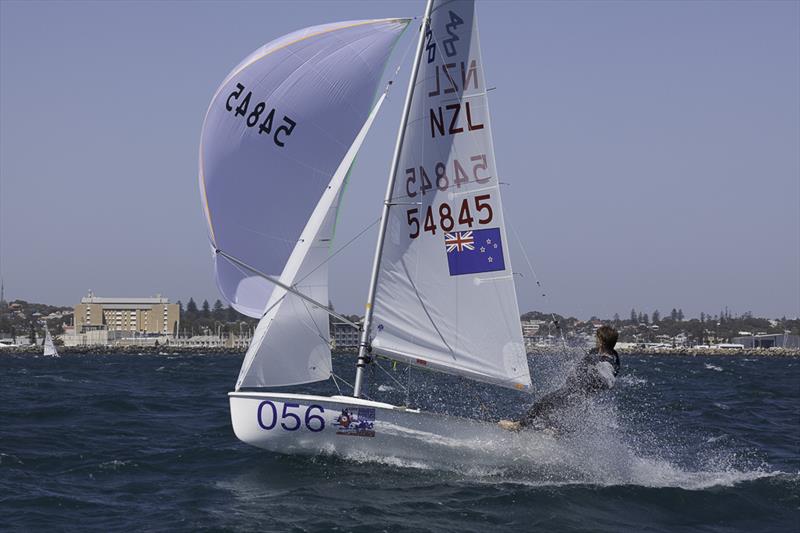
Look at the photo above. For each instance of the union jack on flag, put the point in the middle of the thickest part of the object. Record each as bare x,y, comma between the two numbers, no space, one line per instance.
459,240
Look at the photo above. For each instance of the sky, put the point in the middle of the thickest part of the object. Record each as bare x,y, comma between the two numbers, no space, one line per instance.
651,149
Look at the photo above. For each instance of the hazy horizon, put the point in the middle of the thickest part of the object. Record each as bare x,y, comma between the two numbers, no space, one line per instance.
651,149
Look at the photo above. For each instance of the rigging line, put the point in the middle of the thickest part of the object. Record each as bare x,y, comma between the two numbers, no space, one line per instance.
267,235
351,386
367,228
334,254
377,363
271,307
386,92
286,287
314,322
425,308
245,273
341,379
336,383
316,326
536,278
402,59
408,387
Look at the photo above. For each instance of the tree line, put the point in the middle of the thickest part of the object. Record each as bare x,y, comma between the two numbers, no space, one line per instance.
210,320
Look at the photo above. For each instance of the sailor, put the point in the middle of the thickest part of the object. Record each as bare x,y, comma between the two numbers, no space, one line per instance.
594,373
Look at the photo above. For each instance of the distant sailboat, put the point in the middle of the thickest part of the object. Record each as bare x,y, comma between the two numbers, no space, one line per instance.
278,142
48,345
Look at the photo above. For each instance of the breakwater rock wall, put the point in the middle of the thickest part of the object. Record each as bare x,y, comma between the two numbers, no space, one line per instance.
130,350
539,350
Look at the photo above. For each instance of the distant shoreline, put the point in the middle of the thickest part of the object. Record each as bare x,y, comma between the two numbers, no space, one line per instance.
692,352
545,350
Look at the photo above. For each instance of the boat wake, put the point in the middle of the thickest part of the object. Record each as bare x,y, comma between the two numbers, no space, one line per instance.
591,447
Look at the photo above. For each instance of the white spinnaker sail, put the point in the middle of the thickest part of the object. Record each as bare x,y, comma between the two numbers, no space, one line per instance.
276,131
49,345
445,296
291,344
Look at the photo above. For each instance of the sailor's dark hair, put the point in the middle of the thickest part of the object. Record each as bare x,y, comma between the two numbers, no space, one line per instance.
607,336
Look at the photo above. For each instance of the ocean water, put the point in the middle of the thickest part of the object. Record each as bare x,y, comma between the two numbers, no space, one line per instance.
144,443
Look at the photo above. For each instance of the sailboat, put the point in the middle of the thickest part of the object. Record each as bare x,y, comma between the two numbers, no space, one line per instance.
48,345
278,142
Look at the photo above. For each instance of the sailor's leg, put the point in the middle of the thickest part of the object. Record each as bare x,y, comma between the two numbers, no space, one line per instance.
546,406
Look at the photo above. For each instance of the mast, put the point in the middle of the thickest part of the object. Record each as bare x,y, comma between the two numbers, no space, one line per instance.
363,357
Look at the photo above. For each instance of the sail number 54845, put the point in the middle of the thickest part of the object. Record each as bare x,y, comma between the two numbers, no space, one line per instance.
255,116
447,217
267,417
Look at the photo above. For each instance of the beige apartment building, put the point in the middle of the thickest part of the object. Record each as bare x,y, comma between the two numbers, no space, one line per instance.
140,315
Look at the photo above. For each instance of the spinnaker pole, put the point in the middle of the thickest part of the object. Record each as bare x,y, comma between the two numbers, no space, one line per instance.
363,356
287,288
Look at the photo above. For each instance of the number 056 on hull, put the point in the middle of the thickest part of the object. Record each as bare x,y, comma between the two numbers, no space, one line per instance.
342,425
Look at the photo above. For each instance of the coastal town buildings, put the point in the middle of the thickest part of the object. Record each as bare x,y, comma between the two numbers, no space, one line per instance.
155,322
124,316
344,335
530,328
768,341
230,341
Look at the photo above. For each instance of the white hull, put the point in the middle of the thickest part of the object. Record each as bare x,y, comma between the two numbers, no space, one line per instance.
267,420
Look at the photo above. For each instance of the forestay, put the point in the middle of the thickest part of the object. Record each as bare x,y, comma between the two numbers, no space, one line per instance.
278,141
445,295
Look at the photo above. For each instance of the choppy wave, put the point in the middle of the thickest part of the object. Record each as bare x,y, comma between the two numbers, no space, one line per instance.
633,380
140,448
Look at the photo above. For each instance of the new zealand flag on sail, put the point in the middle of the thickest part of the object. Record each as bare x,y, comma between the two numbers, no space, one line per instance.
472,252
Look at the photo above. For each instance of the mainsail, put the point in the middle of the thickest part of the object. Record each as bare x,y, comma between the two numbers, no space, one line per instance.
278,140
445,296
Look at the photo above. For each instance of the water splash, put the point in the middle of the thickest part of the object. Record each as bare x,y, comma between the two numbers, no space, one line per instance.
590,443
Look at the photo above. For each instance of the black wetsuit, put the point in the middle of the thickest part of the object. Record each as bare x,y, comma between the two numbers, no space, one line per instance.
592,374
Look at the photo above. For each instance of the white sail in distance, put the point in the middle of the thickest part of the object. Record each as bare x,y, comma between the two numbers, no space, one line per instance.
48,345
278,141
445,296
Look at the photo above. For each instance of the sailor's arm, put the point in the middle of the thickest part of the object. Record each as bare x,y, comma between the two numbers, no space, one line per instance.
604,375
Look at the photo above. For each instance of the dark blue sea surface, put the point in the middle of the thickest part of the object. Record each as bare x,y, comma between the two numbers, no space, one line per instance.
144,443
